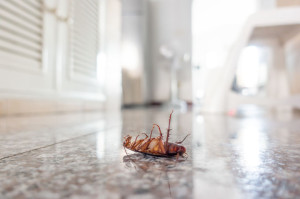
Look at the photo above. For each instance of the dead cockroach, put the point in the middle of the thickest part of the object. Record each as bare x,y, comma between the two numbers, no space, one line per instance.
155,146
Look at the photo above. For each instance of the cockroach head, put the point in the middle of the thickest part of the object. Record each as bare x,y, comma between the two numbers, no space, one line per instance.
127,139
181,150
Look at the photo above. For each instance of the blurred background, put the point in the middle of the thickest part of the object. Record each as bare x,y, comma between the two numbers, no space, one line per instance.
215,56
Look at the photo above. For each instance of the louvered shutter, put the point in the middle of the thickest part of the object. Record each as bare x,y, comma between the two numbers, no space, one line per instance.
21,26
84,38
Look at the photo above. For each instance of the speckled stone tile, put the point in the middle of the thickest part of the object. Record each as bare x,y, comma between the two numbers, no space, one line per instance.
93,166
248,157
21,134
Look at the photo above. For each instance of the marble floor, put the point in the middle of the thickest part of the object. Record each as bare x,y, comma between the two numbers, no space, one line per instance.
81,156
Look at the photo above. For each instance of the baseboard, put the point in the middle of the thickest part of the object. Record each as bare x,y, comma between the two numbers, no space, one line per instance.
20,106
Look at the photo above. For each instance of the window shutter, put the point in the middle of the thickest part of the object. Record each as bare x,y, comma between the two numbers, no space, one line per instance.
21,26
84,38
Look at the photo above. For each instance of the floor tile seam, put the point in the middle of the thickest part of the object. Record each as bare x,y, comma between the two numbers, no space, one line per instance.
66,140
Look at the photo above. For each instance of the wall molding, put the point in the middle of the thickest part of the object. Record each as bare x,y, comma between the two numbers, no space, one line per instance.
21,106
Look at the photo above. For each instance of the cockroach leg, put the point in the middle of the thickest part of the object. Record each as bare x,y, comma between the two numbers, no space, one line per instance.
133,144
151,131
146,144
179,142
125,150
158,129
136,138
145,135
168,132
177,157
139,136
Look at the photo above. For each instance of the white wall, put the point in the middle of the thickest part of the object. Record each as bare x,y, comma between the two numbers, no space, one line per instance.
292,51
170,25
146,26
134,48
113,72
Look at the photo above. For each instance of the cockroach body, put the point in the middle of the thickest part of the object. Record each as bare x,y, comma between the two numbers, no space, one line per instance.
155,146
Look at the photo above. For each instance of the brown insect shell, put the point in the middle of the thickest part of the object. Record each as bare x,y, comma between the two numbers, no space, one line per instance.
173,149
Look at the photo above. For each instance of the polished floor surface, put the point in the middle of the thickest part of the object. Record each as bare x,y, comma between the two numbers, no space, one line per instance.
81,156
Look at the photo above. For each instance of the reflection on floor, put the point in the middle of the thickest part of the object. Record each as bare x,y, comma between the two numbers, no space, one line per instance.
81,156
